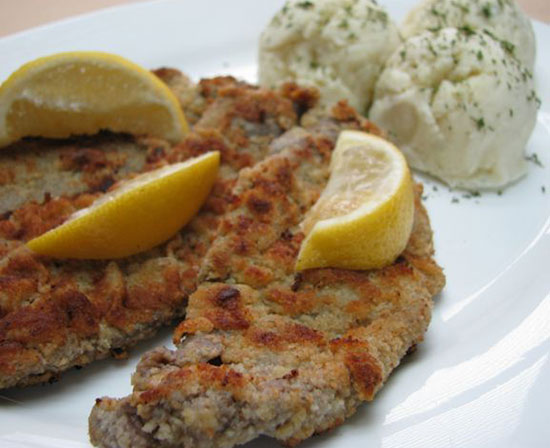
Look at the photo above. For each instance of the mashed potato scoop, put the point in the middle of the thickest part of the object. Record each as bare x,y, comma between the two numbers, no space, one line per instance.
338,46
502,18
460,106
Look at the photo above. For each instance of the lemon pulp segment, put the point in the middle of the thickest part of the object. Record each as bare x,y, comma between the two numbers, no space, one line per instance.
84,92
364,217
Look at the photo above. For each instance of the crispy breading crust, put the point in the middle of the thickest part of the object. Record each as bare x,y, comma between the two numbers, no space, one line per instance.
55,314
267,351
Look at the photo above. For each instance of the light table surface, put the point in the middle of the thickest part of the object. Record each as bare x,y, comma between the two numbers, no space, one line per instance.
18,15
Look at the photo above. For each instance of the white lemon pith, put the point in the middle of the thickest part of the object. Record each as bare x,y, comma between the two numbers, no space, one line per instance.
84,92
142,213
364,217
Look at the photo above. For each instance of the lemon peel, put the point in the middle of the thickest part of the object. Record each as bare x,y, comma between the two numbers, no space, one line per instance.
364,217
83,92
138,215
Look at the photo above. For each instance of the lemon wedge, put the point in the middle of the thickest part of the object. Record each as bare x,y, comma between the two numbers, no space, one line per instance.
84,92
139,214
364,217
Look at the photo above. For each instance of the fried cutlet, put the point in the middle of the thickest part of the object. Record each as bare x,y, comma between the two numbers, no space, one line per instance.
265,350
56,314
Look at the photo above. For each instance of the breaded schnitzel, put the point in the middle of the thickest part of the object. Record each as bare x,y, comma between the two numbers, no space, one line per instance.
56,314
267,351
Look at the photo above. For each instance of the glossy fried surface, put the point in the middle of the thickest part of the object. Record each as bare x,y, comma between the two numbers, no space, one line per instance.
56,314
267,351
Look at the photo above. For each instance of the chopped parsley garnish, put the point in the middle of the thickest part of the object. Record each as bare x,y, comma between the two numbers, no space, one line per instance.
462,7
534,158
508,46
467,29
382,17
437,13
480,123
533,97
431,48
471,194
305,5
486,10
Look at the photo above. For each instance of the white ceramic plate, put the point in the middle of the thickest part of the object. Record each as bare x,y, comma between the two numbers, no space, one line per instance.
482,377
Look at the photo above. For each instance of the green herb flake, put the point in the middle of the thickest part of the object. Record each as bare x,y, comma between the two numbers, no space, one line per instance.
382,16
437,13
534,158
472,194
461,6
490,34
479,55
508,46
480,123
487,11
344,24
533,97
467,30
305,5
432,49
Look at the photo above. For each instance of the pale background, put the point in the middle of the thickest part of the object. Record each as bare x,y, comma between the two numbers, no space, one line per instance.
17,15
